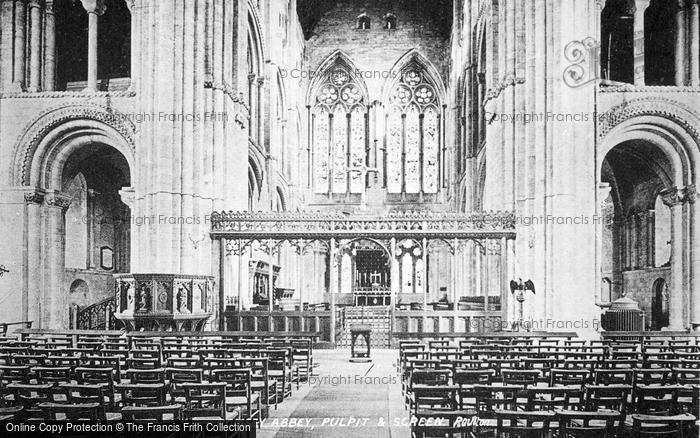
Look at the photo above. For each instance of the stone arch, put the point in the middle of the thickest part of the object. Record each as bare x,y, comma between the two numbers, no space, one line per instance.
79,291
62,129
256,35
336,58
667,125
433,75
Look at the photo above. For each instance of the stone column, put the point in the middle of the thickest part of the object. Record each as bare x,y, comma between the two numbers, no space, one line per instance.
691,194
54,306
35,40
33,200
94,8
640,7
6,20
674,199
333,283
680,43
695,43
49,47
20,44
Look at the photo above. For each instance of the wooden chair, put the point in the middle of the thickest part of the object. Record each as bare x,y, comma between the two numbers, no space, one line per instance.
613,377
582,424
141,394
490,398
611,397
70,412
14,374
239,392
523,424
653,376
146,376
656,399
656,426
100,362
183,362
152,414
260,379
52,374
143,363
569,376
524,378
553,398
104,377
688,379
77,394
178,376
466,379
207,401
29,396
280,370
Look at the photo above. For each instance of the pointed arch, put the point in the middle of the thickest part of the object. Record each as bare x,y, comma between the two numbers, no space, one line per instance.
338,100
256,35
414,95
337,59
414,59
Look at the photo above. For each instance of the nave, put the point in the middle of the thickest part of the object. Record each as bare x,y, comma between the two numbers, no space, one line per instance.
498,384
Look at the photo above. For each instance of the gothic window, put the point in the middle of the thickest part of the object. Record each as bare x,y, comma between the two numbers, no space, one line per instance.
413,143
363,22
390,21
339,133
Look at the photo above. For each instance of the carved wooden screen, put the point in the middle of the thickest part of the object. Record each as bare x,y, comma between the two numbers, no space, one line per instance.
339,132
413,134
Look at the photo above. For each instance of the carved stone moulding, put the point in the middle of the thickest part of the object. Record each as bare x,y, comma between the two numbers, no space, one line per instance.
164,302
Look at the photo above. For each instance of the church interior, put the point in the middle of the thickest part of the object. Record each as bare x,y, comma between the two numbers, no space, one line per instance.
475,211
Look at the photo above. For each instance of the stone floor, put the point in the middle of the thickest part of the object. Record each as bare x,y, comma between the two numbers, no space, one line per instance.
344,400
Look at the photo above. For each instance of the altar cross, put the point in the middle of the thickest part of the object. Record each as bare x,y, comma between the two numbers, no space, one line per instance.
363,170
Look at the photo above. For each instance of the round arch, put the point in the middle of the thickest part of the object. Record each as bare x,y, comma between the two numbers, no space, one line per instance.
668,126
58,131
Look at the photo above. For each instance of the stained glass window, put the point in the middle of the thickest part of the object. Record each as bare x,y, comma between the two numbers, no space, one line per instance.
339,133
413,135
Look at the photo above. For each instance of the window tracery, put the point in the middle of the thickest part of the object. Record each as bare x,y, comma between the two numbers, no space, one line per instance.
413,135
340,133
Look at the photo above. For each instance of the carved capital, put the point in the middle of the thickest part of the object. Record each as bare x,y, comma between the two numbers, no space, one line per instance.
58,200
690,193
97,7
34,4
673,197
34,197
128,196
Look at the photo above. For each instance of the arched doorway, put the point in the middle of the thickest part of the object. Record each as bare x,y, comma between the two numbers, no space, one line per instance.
659,305
74,163
97,221
365,273
635,174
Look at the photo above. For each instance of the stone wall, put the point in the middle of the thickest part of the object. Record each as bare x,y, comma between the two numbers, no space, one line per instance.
375,50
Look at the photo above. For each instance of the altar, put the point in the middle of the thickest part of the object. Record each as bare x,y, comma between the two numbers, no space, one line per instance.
371,297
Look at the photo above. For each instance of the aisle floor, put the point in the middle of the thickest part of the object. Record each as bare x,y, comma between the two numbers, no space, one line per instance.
344,399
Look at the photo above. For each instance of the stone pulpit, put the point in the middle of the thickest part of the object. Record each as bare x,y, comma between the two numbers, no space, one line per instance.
164,302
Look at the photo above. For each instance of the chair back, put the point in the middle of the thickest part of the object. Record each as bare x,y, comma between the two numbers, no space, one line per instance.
149,414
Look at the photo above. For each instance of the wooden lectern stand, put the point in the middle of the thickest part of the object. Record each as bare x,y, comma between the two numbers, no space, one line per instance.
355,332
